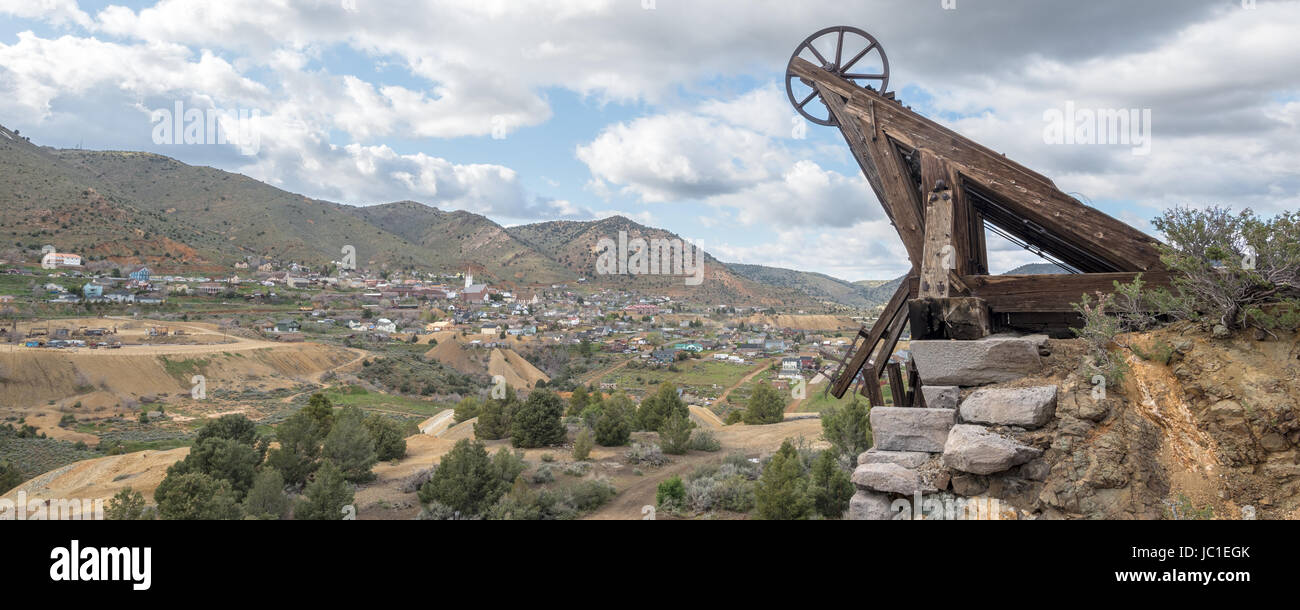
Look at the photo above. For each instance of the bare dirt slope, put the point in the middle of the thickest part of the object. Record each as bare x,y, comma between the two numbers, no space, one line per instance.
810,322
103,477
45,384
519,373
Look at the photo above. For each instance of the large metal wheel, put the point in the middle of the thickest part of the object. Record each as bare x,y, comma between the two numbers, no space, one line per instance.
845,51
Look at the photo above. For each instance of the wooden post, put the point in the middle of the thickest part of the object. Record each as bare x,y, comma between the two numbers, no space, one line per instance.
881,329
964,318
914,385
896,387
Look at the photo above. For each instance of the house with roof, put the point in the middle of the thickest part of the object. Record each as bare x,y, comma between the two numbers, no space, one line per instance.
287,325
141,275
60,259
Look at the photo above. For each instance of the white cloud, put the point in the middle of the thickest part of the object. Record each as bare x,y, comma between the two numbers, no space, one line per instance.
734,155
868,250
55,12
680,156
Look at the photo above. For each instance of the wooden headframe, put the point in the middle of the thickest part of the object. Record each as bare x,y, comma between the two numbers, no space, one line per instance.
939,189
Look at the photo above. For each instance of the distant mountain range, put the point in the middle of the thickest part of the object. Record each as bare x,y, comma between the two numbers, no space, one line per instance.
143,208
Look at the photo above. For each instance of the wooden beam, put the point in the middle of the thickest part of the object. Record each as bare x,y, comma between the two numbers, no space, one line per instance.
914,385
1025,193
877,365
896,388
858,360
941,253
960,318
881,166
1048,293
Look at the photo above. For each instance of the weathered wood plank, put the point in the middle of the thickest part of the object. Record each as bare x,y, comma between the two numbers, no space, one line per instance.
898,391
1022,191
961,318
879,166
941,253
877,365
859,359
1048,293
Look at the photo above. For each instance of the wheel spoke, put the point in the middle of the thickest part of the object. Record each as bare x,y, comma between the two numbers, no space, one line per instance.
807,99
839,50
855,59
819,55
866,76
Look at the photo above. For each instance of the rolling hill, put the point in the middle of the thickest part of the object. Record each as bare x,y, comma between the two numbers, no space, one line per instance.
143,208
816,285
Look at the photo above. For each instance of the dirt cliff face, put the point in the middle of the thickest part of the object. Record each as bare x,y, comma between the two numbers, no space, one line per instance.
1200,428
1243,393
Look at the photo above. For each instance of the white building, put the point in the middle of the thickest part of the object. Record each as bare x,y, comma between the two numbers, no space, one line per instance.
60,259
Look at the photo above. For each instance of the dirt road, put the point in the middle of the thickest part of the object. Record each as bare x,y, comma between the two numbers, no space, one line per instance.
722,397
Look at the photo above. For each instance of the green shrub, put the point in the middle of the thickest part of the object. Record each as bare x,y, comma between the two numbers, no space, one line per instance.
847,428
671,494
1098,333
543,475
645,453
583,444
675,434
196,496
467,408
703,440
388,437
127,505
469,481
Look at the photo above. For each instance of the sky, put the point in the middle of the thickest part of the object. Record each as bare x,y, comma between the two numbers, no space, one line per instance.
670,112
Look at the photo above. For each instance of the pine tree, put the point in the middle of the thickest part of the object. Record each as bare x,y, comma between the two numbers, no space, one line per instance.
327,497
847,428
267,500
466,480
577,402
675,434
387,435
496,416
830,488
781,492
537,423
350,446
658,407
298,455
614,424
320,409
765,406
